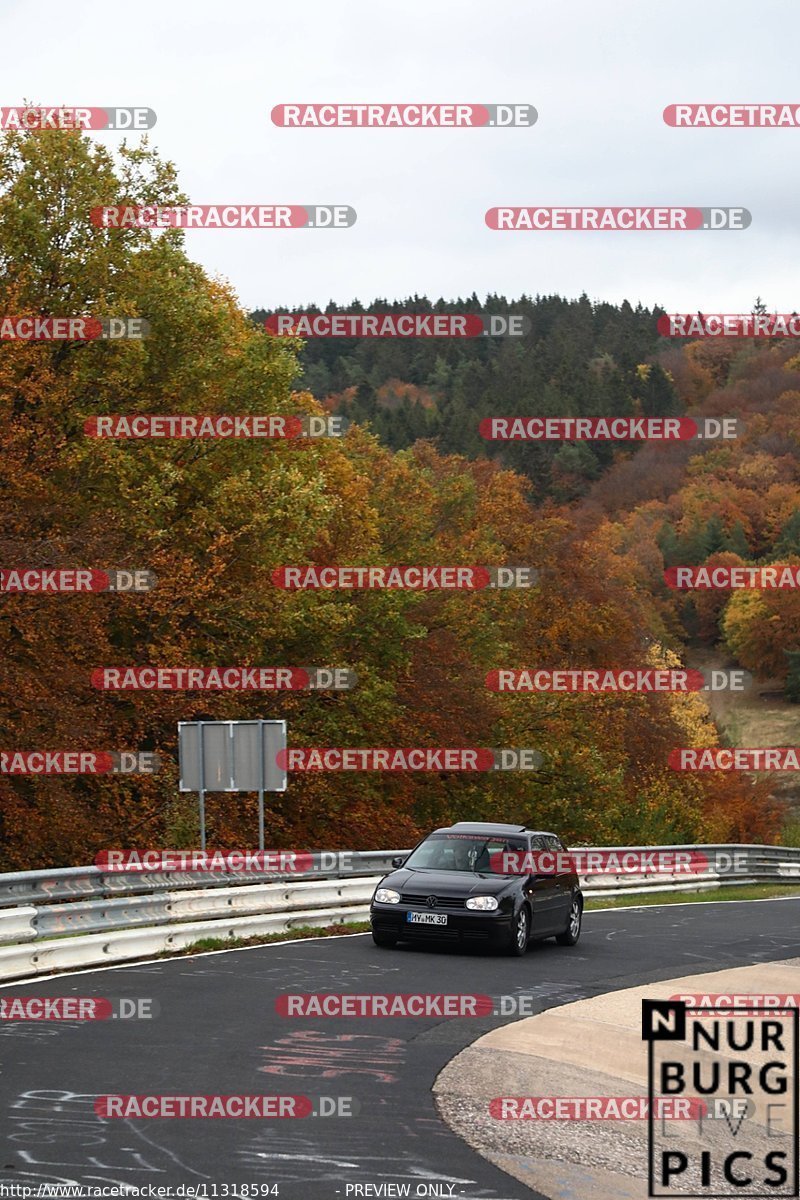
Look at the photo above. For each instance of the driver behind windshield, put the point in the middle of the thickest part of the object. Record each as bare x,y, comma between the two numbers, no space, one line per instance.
461,856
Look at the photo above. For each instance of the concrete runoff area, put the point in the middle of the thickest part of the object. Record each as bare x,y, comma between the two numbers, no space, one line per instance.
594,1047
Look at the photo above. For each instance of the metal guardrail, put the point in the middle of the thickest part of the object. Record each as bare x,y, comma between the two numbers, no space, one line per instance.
82,916
73,883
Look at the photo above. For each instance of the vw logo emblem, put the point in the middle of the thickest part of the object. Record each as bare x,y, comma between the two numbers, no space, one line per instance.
431,902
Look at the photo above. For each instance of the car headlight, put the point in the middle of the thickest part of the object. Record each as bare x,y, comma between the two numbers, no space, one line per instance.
387,896
483,903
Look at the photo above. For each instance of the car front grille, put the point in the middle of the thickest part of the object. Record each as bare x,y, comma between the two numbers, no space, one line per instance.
443,903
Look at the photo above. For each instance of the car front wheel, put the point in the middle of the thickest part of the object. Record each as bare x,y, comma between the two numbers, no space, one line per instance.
573,931
520,929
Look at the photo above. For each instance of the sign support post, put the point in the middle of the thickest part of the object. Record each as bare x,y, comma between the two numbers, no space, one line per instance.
202,792
231,756
261,796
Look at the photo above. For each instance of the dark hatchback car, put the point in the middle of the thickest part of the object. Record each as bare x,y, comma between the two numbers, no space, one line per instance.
472,883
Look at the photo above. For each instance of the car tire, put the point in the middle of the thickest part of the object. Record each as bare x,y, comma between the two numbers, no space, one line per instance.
520,933
387,940
572,933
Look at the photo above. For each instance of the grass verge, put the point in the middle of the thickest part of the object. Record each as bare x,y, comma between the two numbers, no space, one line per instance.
746,891
264,939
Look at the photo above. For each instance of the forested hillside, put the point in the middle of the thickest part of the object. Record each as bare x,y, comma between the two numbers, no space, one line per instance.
726,502
575,359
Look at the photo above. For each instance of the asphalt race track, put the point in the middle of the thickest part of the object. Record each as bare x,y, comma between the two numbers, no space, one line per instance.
218,1031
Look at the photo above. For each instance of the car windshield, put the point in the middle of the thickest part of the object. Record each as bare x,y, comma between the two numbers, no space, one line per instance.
479,853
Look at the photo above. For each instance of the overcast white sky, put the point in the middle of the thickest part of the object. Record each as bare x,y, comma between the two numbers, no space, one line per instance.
599,75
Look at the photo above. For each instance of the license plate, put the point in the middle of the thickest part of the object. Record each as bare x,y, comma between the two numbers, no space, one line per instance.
415,918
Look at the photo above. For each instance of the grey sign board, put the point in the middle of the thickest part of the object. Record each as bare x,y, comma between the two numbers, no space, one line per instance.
231,756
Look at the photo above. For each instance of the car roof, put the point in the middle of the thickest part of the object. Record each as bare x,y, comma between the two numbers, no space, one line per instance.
491,827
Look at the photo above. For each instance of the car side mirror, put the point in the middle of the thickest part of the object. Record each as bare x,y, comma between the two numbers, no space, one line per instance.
398,861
